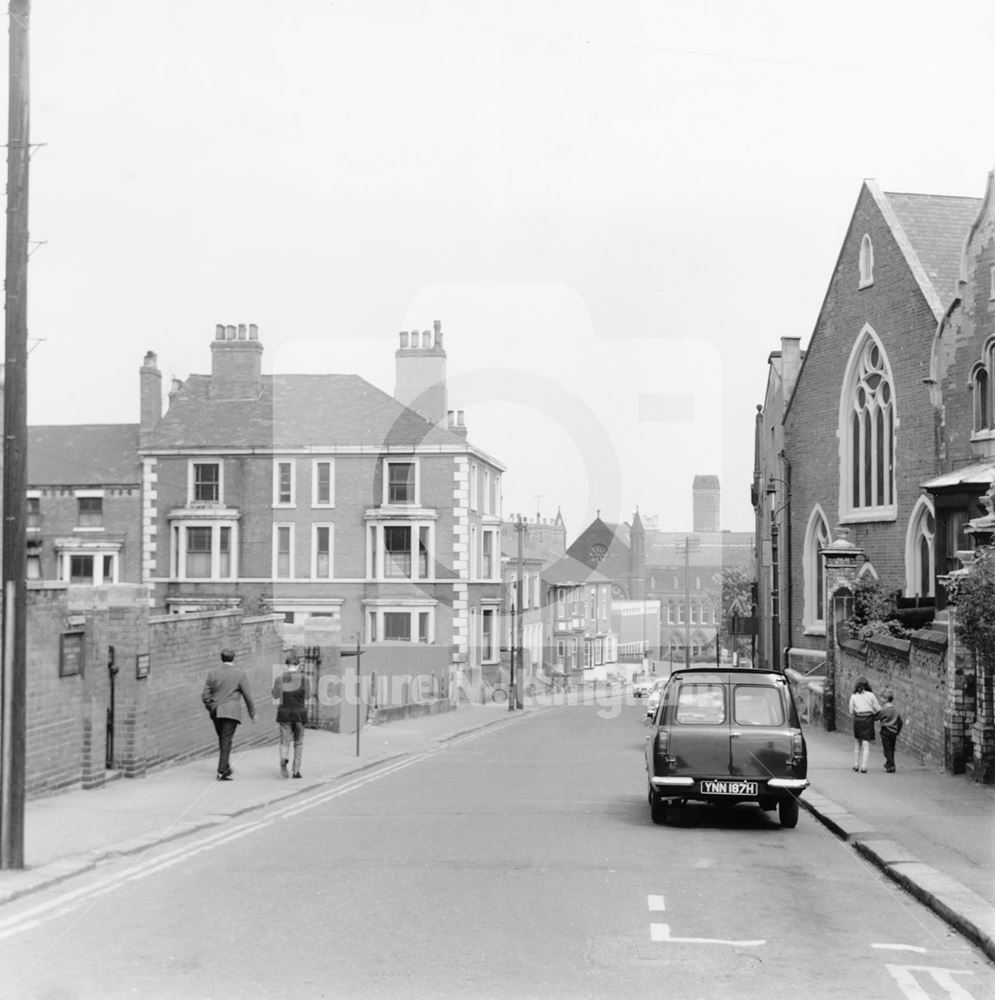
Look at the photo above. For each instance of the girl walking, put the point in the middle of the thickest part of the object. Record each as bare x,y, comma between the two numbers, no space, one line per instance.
864,707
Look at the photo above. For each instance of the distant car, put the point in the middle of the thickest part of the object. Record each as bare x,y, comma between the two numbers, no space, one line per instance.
641,688
653,697
726,736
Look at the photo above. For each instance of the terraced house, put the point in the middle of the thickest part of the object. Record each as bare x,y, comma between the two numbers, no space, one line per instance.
319,495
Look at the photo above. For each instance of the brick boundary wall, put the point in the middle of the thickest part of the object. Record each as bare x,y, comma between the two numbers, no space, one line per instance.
159,718
915,670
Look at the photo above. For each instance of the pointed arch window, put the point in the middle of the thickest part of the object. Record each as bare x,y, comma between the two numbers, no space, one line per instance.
866,262
920,559
867,434
982,386
813,568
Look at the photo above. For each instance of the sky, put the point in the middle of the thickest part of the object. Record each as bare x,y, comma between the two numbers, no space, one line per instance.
616,210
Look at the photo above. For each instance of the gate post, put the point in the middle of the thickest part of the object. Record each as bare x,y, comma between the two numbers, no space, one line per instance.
841,561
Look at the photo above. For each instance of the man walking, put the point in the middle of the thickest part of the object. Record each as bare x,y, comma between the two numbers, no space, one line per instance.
891,726
223,693
291,691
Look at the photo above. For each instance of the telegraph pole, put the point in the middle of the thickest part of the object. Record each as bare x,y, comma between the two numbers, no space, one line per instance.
15,428
519,636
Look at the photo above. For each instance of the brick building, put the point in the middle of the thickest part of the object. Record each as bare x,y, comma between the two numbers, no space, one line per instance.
770,498
539,543
859,428
678,574
962,387
84,504
322,496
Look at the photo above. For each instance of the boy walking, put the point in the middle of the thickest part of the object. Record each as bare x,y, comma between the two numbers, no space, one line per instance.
291,691
891,726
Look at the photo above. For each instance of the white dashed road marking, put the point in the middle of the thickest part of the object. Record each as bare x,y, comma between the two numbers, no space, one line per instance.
661,932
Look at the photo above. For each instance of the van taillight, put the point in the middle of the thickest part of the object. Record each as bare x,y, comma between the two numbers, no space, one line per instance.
662,743
797,745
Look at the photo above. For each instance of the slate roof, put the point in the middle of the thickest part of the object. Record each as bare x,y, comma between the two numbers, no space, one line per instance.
936,226
83,455
569,571
291,411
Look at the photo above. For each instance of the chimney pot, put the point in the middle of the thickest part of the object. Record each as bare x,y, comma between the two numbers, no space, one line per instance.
253,331
426,339
229,333
459,418
150,360
404,339
219,331
241,331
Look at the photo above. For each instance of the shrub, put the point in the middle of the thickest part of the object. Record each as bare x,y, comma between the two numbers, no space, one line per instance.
976,608
875,611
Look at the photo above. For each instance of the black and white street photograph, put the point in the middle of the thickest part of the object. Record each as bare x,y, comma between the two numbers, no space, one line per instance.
498,500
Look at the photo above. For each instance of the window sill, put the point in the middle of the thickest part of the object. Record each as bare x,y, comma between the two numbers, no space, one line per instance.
865,284
88,530
815,629
869,515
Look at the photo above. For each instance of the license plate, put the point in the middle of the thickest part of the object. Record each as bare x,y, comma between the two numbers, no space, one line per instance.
729,788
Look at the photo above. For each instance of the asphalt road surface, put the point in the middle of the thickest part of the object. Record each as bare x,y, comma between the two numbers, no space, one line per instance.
519,861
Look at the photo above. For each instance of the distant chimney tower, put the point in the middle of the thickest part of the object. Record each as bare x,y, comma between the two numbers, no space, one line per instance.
705,494
420,366
236,362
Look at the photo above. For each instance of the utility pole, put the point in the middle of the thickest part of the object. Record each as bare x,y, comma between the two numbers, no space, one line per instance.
689,544
13,690
520,529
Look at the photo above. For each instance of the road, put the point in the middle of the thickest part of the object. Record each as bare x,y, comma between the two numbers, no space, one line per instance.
515,862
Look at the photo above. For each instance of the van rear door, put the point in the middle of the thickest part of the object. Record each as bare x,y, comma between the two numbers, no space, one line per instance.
760,734
698,719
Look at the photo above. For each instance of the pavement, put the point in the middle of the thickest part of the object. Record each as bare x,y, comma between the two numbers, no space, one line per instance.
932,833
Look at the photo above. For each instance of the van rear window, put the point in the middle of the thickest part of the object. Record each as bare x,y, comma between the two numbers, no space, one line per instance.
701,705
756,705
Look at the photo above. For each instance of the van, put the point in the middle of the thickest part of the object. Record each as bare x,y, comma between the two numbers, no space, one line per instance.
726,736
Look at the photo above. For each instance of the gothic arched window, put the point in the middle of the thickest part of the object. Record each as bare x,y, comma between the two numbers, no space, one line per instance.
866,262
813,568
867,434
920,564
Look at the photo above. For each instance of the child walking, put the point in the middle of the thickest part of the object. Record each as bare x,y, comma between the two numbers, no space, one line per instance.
891,726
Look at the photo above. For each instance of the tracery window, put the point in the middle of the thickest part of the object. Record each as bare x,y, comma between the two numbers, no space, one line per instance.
867,434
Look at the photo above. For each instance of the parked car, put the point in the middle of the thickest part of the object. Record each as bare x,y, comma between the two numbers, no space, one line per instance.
653,697
641,686
726,736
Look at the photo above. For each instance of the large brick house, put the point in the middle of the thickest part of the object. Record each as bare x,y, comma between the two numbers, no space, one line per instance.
860,431
321,495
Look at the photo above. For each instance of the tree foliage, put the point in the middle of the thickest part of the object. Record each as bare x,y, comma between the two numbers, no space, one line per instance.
976,608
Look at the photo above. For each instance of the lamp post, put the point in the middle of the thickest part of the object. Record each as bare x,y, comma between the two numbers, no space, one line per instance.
775,596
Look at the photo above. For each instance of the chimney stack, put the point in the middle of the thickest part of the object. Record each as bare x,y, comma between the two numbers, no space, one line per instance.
236,362
420,367
150,395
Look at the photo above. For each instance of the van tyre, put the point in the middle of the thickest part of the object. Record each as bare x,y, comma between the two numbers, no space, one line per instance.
787,811
659,809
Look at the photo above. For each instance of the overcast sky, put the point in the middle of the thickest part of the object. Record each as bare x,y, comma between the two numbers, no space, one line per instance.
615,209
